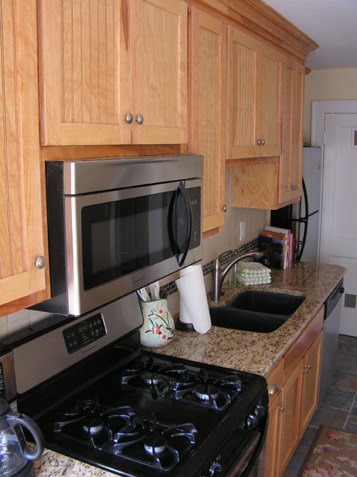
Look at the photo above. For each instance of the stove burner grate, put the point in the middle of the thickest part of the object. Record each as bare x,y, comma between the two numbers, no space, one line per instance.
125,434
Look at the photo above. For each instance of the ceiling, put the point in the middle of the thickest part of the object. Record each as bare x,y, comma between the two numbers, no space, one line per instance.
330,23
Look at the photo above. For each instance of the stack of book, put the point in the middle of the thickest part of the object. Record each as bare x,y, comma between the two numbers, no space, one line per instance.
278,245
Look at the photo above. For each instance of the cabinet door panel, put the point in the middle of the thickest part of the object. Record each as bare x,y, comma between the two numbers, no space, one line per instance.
242,94
289,437
297,134
290,176
269,101
21,232
207,110
159,30
310,383
84,65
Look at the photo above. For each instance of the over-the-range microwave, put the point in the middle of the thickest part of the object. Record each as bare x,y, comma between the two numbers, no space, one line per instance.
118,224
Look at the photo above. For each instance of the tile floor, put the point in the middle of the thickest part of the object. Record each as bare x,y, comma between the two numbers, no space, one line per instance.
339,408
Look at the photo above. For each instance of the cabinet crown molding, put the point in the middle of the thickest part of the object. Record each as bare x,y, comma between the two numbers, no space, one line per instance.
261,19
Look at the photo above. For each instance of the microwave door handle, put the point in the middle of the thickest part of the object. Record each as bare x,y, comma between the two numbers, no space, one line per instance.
170,225
180,254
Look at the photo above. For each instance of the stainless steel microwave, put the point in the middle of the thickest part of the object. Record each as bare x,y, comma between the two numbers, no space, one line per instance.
118,224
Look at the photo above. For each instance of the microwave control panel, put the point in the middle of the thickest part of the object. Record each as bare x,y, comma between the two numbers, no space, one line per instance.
84,333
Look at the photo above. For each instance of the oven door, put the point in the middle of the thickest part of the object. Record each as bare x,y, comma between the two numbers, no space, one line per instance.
242,455
119,241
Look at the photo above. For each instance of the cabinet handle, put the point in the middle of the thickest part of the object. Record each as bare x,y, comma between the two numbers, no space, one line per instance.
282,408
307,368
129,118
140,119
259,142
274,388
40,262
294,187
224,208
263,142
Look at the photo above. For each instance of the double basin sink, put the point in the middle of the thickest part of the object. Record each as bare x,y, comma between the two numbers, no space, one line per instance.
258,311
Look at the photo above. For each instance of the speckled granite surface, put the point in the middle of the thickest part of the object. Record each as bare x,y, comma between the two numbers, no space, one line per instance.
241,350
259,352
52,464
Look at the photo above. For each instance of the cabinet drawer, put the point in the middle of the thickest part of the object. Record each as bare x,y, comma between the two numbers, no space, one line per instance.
303,342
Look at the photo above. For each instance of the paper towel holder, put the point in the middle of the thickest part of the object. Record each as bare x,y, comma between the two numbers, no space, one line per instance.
180,325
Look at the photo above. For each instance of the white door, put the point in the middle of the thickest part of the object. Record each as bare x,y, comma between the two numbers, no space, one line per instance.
339,207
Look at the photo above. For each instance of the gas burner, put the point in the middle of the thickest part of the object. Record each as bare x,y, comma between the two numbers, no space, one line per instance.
75,412
207,392
155,444
136,368
93,426
232,381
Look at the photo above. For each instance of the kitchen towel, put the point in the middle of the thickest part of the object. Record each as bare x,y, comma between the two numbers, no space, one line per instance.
193,299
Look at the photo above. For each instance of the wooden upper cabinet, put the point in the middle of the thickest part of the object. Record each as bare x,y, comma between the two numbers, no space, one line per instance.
290,170
207,66
102,61
21,226
159,70
255,97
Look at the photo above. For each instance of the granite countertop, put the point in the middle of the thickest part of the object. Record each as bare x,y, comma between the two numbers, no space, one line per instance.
240,350
259,352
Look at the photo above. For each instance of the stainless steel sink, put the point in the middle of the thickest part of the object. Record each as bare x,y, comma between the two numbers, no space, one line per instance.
257,311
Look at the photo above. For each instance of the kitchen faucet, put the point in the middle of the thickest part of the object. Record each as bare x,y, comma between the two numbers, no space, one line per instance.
220,275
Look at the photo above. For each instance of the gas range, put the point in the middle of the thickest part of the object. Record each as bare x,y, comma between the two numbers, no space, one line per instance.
137,413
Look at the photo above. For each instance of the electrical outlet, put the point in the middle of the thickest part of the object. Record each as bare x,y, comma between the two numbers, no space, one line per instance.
242,231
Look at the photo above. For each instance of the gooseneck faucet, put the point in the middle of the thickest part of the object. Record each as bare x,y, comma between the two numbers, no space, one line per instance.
220,275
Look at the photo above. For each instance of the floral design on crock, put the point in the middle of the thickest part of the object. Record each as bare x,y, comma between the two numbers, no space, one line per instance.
159,327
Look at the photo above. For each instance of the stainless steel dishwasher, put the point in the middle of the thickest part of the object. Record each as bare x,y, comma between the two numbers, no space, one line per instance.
331,335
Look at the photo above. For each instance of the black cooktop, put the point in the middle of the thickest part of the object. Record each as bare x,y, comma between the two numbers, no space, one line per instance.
146,415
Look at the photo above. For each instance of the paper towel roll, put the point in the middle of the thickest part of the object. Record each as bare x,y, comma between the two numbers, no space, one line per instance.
193,297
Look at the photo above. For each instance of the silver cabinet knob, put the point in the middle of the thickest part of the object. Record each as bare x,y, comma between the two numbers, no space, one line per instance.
307,368
263,142
259,142
282,408
294,187
40,262
140,119
129,118
274,389
224,208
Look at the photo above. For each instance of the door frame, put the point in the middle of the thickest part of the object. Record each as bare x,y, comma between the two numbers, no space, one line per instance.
319,109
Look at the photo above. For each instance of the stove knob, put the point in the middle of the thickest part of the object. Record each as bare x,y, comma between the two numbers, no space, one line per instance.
215,469
259,410
252,421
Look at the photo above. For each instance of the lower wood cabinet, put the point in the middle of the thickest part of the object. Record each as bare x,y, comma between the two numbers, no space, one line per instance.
310,383
293,389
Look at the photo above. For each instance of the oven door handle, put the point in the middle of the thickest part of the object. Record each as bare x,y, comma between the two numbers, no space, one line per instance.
172,222
257,450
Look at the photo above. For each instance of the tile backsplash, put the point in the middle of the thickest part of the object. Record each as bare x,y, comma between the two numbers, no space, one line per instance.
255,220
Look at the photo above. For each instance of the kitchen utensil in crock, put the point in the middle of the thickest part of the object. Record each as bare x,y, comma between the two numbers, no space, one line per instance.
15,456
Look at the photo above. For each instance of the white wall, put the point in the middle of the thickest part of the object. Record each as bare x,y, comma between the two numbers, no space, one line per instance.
329,84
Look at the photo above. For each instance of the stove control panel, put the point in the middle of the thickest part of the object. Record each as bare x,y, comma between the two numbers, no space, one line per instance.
84,333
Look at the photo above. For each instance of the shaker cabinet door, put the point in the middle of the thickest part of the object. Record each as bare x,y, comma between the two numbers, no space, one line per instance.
207,68
113,72
290,175
84,72
254,97
21,226
159,71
